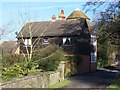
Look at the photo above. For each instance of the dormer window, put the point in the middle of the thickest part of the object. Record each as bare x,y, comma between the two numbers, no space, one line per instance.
27,42
45,41
66,40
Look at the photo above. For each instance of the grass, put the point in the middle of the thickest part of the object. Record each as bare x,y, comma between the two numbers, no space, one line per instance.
60,84
115,85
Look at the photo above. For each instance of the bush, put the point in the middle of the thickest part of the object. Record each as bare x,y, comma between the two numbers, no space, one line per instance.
18,70
72,63
51,62
103,58
10,59
39,53
47,59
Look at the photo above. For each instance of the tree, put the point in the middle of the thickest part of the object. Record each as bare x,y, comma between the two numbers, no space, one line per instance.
21,39
107,27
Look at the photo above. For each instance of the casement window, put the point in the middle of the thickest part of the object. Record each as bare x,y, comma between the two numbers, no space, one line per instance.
45,41
93,40
93,57
27,42
66,40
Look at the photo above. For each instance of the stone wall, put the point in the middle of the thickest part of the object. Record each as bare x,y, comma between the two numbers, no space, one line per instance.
42,80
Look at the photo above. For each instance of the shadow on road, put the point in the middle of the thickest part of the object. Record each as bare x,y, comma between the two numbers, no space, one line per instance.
113,68
98,79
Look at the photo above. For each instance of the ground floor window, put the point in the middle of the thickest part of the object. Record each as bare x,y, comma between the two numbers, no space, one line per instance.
93,56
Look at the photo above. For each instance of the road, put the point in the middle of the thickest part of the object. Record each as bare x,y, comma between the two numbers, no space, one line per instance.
98,79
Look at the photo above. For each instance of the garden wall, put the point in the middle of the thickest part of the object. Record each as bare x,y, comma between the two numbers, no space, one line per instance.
42,80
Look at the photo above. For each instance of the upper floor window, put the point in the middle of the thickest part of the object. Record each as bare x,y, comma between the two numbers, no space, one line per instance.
93,40
45,41
27,42
66,40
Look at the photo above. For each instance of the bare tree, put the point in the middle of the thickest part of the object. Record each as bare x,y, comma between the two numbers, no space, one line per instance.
30,30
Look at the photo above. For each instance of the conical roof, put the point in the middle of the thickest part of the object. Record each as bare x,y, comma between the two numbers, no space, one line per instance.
77,14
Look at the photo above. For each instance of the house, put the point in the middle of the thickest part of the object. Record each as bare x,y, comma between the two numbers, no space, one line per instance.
72,33
10,47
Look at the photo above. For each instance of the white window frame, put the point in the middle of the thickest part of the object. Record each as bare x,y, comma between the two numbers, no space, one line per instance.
93,40
27,42
93,57
65,38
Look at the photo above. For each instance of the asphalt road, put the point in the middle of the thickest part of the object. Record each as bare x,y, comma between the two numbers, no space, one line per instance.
99,79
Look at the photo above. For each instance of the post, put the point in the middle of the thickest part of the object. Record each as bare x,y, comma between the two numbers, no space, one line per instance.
62,69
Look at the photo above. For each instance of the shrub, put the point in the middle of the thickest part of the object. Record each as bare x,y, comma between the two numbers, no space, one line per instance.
51,63
47,59
10,59
103,58
72,63
39,53
18,70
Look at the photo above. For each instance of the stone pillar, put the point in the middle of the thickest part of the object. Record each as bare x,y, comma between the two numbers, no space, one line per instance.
61,68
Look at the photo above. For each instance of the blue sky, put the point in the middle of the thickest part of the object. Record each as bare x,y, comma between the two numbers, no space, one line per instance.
15,14
38,11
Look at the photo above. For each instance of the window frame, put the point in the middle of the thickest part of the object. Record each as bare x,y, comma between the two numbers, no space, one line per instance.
93,57
27,42
45,41
65,38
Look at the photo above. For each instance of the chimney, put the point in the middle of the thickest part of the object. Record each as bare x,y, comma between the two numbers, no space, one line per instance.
61,15
53,18
62,12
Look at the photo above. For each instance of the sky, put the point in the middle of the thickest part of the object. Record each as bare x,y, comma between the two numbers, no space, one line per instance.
15,13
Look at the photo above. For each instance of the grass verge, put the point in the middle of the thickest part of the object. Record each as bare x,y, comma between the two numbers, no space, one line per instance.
115,85
60,84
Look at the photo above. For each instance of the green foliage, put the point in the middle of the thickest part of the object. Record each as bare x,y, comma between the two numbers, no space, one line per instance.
114,85
18,70
10,59
76,59
102,58
107,29
42,53
72,63
51,62
47,59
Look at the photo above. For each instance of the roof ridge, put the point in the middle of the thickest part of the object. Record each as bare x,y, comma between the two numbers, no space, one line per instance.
77,14
39,21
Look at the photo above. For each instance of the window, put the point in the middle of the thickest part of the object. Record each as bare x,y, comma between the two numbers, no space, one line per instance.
45,41
93,56
27,42
66,40
93,40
